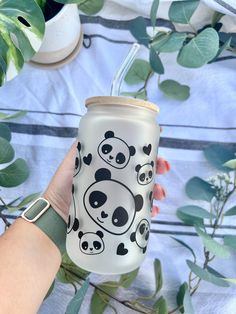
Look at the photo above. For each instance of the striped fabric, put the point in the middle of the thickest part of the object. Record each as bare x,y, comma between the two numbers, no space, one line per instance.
54,100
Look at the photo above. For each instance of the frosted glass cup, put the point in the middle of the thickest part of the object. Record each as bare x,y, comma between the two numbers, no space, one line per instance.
109,220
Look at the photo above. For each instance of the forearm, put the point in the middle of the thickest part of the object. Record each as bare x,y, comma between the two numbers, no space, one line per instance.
29,261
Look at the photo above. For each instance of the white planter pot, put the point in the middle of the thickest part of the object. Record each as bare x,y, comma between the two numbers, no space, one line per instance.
62,39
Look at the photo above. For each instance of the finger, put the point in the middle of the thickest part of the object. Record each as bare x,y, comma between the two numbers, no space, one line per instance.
159,192
155,211
162,166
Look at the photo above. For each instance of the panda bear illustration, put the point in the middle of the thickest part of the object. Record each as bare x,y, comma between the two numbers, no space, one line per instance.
114,151
91,243
78,162
111,204
145,173
141,235
73,222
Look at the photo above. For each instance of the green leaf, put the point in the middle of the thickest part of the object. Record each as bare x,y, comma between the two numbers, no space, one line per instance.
181,12
140,95
160,306
158,275
214,272
153,13
89,7
15,174
28,199
6,151
126,280
189,220
231,280
137,28
75,304
155,62
138,72
226,45
200,49
196,211
231,212
212,245
217,155
175,90
216,18
187,303
230,164
170,42
198,189
5,132
185,245
230,240
180,296
78,272
4,116
100,300
206,275
20,21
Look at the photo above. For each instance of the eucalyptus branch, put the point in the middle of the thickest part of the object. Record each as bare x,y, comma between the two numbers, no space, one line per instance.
2,216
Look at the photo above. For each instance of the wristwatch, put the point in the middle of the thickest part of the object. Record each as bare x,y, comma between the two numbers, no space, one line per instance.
41,213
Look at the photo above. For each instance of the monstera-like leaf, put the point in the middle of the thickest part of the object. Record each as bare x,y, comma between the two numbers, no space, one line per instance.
21,32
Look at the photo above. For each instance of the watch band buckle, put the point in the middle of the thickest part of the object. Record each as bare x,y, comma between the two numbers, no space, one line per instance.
42,211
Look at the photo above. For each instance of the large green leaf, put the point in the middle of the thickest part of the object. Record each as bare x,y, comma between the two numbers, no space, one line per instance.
155,62
169,42
137,28
138,72
200,50
217,155
175,90
160,306
182,11
198,189
5,132
15,174
6,151
21,32
196,211
180,296
189,220
76,302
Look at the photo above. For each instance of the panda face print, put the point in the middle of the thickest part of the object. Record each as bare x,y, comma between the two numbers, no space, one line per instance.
78,161
110,204
91,243
114,151
145,173
141,235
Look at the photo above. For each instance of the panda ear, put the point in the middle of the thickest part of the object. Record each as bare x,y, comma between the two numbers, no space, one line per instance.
100,234
152,163
80,234
102,174
109,134
132,237
138,199
132,150
137,168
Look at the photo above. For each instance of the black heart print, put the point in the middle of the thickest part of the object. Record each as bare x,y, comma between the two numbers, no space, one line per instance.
87,159
147,149
121,250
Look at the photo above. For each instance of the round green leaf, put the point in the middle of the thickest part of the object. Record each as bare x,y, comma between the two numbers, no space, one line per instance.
6,151
196,211
231,164
15,174
200,50
5,132
138,72
182,11
155,62
217,155
175,90
169,42
198,189
22,28
137,28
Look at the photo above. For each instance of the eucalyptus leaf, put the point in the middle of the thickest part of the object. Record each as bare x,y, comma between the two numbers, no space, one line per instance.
153,13
140,95
187,303
231,212
214,272
18,114
169,42
230,241
137,28
230,164
158,275
206,275
76,302
217,155
6,151
198,189
20,21
76,270
180,296
126,280
138,72
212,245
30,198
196,211
199,50
155,62
5,132
185,245
15,174
189,220
160,306
175,90
182,11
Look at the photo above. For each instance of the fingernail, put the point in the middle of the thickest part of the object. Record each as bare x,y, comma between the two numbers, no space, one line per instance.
159,193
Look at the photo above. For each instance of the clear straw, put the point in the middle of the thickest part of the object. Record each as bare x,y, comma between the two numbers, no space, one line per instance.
118,78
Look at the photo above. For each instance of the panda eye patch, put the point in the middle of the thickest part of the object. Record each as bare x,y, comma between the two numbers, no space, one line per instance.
150,174
96,245
142,228
97,199
120,158
142,177
106,148
147,236
85,245
119,217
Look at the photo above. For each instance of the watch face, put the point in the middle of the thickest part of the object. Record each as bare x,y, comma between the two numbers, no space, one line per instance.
35,210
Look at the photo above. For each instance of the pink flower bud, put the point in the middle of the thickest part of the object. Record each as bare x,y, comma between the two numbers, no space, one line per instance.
158,192
162,166
155,211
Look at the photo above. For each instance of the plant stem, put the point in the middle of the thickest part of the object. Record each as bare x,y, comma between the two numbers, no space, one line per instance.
2,216
146,81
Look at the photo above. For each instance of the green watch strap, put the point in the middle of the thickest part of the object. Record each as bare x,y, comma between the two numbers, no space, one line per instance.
49,221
